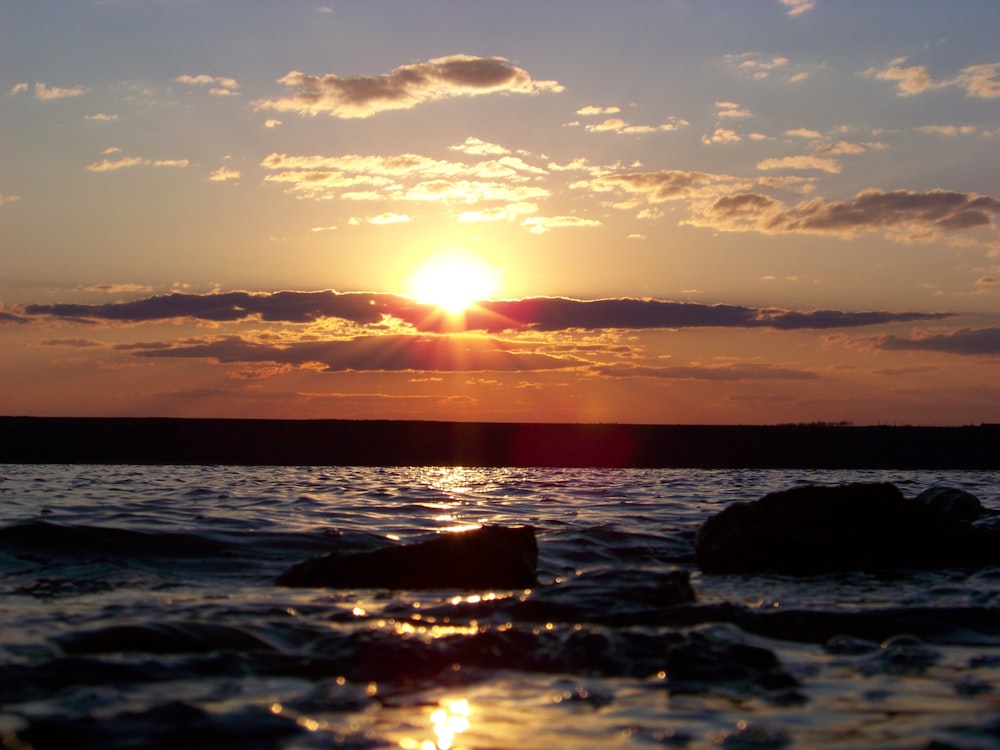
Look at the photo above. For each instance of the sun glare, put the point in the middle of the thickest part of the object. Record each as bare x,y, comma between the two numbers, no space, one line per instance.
453,282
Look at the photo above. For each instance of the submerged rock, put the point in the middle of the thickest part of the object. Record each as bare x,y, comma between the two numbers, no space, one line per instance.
700,664
488,557
809,530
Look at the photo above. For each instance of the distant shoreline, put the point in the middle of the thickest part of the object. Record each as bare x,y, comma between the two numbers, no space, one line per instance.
52,440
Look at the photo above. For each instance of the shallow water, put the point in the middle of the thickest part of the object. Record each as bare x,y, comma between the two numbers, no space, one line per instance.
138,611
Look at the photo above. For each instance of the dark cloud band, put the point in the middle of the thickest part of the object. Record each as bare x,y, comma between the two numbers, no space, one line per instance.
531,313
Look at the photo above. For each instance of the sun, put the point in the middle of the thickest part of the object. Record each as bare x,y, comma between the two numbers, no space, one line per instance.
453,281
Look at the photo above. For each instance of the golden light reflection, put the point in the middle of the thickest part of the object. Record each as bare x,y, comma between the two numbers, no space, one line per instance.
447,721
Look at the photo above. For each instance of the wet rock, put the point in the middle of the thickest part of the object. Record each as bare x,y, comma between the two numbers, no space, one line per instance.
952,502
485,558
812,530
901,655
755,737
845,645
700,664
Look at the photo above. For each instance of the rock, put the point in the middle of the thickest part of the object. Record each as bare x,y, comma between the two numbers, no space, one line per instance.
484,558
811,530
700,664
953,502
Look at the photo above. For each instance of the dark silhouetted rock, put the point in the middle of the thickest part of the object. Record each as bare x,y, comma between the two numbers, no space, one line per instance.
489,557
700,664
953,502
809,530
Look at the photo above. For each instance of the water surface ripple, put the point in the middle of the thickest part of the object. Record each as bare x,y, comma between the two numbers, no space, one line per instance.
139,611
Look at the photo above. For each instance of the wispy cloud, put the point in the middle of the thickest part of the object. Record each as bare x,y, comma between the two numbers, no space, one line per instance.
979,81
667,185
389,218
217,85
224,174
731,110
621,127
967,341
948,130
798,7
801,162
404,87
756,66
111,165
726,373
543,224
592,110
388,353
5,199
49,93
101,117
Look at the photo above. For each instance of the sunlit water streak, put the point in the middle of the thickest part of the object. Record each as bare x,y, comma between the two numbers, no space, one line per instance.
138,610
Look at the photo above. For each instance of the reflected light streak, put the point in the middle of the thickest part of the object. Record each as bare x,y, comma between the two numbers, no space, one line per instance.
447,721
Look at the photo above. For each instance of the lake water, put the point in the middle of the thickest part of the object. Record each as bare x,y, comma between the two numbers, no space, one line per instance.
138,610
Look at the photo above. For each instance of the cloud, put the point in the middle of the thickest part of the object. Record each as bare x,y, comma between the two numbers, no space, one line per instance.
904,214
968,341
9,317
979,81
219,85
116,288
667,185
591,111
731,110
101,117
479,147
403,88
224,174
272,124
531,313
171,163
842,148
795,183
5,199
48,93
949,130
754,65
801,162
108,165
388,353
18,88
72,343
389,218
498,180
618,125
728,373
798,7
803,133
722,135
542,224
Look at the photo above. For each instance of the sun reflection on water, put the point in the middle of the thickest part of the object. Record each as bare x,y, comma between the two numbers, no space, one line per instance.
447,721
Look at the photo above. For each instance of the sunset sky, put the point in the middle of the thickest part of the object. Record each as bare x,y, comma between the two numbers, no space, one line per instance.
685,211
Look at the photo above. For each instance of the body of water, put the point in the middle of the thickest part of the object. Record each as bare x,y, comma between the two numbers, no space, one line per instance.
138,610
